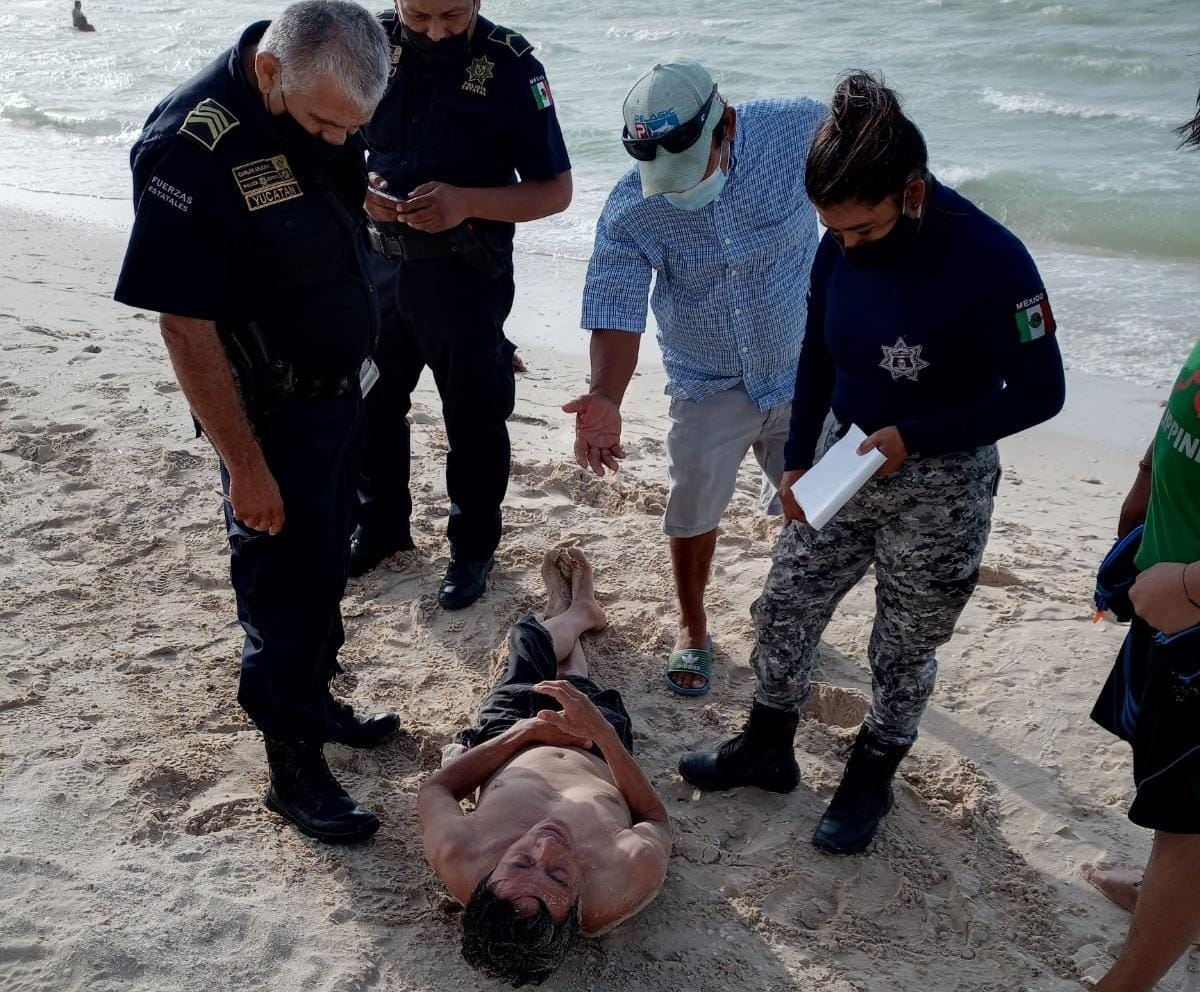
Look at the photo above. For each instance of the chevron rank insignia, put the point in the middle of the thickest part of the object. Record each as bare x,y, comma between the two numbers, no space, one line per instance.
510,40
208,123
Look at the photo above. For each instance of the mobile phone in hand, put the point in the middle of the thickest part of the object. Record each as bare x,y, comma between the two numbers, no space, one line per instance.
383,194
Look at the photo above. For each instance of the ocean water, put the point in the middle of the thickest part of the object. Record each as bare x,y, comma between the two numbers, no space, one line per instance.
1054,117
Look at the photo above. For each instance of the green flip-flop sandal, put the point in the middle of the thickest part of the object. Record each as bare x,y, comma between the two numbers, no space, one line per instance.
691,661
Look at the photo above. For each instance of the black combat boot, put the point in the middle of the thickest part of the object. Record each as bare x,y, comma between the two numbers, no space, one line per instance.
344,726
464,583
304,791
371,545
760,755
864,797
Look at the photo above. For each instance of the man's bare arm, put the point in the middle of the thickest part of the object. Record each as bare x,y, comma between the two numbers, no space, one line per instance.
630,880
614,357
206,379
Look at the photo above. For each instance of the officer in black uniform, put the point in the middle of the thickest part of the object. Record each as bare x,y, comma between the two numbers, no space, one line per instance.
249,241
467,141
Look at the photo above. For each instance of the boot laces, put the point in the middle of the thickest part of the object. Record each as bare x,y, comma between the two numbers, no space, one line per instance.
318,768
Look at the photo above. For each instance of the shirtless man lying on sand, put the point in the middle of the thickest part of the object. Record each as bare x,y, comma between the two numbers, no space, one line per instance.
567,833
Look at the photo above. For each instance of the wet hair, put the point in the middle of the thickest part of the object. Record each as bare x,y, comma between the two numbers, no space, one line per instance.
502,944
335,38
866,149
1189,133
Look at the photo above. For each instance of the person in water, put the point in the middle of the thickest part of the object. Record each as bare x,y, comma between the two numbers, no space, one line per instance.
79,19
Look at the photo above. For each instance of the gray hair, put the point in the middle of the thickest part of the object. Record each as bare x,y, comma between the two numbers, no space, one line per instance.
334,38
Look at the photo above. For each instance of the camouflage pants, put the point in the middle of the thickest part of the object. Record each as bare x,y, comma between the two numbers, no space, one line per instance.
924,528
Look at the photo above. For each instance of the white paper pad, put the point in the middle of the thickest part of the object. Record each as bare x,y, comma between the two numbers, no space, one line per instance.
827,486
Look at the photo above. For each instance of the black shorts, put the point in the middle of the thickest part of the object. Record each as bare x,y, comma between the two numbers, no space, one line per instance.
530,661
1152,700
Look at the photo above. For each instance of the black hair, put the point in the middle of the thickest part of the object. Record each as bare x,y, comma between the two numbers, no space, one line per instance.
1189,133
866,149
513,948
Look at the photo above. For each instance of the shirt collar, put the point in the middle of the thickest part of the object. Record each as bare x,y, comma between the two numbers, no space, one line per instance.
246,86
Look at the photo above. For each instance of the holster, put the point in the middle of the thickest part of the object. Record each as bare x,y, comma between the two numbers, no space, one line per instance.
264,382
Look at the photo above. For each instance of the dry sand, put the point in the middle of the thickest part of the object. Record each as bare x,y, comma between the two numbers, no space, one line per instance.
134,851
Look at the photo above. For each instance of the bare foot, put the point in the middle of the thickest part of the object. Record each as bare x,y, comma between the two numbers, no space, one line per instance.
583,589
684,640
1121,885
556,573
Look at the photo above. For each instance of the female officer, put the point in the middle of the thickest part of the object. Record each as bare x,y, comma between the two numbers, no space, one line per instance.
929,328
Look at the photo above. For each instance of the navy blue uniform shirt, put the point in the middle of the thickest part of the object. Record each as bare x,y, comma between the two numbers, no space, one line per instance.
480,121
955,346
243,216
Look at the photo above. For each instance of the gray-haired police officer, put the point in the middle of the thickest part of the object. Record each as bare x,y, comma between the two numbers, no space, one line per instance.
249,241
467,138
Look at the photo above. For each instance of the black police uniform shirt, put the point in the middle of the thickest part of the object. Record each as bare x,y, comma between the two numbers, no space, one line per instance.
954,345
243,216
479,121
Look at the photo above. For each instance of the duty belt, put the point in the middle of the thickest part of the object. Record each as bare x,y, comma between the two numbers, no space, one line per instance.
402,241
323,389
411,247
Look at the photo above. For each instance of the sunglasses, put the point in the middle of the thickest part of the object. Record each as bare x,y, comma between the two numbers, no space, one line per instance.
678,139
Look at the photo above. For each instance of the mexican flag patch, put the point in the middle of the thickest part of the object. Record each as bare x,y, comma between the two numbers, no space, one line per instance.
1034,319
541,92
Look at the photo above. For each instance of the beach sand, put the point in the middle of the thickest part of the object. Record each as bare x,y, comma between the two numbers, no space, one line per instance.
135,853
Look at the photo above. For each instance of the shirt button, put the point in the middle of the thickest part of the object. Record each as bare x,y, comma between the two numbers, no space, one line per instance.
733,272
727,241
745,350
415,118
737,312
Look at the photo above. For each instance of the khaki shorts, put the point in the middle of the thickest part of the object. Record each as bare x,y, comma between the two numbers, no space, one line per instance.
706,445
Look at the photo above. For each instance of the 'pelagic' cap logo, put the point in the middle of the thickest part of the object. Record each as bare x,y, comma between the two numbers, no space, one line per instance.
656,124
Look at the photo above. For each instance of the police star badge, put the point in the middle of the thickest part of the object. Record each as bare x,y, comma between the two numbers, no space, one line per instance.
902,361
478,73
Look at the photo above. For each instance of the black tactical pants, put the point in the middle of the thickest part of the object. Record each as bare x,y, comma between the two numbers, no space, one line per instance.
924,529
289,587
444,314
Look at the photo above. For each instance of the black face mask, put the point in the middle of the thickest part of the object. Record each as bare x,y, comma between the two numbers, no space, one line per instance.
889,251
452,49
312,148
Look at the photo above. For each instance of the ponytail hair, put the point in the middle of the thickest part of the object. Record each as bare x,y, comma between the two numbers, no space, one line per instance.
1189,133
866,150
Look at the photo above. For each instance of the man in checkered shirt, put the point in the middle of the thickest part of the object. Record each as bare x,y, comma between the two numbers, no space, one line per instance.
715,210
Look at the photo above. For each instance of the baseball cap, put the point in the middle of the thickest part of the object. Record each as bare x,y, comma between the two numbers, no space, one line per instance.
667,95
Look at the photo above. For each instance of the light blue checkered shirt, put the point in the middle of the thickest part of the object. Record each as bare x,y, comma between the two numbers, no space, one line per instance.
732,278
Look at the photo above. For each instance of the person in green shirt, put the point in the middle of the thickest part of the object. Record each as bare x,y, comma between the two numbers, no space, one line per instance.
1152,696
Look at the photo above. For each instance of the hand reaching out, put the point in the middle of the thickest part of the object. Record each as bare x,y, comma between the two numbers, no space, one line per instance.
597,432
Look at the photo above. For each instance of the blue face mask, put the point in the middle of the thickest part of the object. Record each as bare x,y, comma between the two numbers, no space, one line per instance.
702,194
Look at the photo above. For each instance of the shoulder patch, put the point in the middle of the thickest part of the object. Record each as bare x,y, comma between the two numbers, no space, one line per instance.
1034,318
510,40
208,123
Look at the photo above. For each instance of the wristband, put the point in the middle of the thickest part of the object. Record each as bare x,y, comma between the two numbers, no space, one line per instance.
1145,466
1186,594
